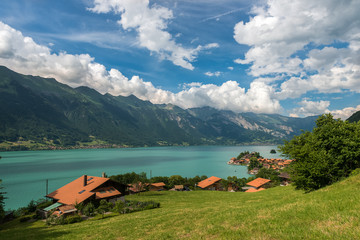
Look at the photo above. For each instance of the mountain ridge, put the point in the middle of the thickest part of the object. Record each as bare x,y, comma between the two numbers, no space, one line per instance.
39,109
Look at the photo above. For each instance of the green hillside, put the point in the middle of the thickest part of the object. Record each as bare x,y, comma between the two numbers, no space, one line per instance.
355,117
277,213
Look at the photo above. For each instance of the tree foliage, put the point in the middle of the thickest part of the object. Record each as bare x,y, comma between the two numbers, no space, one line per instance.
254,163
324,156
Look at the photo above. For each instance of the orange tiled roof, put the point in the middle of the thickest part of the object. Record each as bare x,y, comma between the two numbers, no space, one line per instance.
159,184
209,181
106,192
75,191
258,182
255,190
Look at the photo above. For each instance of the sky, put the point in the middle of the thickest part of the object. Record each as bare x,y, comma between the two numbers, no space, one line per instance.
295,58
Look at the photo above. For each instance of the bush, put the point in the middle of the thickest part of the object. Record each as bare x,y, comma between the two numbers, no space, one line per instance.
73,219
355,172
104,207
25,218
89,209
55,220
80,207
119,207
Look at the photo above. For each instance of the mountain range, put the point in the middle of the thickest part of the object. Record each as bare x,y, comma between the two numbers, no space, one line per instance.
39,109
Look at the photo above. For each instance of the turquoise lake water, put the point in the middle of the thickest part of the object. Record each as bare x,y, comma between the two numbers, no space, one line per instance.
24,174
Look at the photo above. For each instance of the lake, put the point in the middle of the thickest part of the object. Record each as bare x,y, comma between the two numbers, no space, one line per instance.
24,173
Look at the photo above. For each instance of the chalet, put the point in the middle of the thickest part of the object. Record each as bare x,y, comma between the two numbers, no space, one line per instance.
211,183
258,184
157,186
138,187
179,187
82,190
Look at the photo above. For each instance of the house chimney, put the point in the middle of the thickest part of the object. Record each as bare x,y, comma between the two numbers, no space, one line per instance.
85,180
103,175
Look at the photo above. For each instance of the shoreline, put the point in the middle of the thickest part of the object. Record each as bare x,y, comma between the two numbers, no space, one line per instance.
15,148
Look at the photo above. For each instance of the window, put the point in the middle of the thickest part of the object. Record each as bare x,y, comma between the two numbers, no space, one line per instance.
81,191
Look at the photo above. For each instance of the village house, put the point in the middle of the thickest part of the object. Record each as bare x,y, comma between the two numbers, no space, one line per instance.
137,187
83,190
258,184
273,163
160,186
211,183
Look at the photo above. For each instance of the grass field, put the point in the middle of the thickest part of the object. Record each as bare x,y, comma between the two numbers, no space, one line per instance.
277,213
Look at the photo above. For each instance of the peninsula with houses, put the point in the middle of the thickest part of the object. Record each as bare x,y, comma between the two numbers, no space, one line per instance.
255,162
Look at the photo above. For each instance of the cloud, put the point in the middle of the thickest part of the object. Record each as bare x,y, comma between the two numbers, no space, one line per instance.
311,108
211,74
230,68
345,113
313,45
150,23
23,55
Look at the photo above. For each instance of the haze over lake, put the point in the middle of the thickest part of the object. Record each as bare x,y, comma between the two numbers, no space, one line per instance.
24,174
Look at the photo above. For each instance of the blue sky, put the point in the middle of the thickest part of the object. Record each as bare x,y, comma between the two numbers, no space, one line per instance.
296,58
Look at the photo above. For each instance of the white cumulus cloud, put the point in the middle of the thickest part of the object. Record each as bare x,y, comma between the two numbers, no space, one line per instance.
23,55
311,108
150,23
345,113
313,45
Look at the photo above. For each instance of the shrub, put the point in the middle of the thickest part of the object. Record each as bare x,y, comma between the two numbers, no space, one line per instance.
80,207
355,172
73,219
119,207
31,207
103,207
25,218
55,220
89,209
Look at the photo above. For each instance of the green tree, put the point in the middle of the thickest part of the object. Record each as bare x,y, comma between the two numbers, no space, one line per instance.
176,180
324,156
254,162
129,178
270,173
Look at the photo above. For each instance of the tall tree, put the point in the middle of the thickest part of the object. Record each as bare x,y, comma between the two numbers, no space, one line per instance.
327,154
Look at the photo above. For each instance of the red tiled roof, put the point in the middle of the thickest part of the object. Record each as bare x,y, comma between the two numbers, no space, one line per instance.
258,182
255,190
159,184
209,181
75,191
106,192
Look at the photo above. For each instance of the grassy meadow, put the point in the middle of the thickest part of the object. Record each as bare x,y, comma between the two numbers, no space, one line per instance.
278,213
